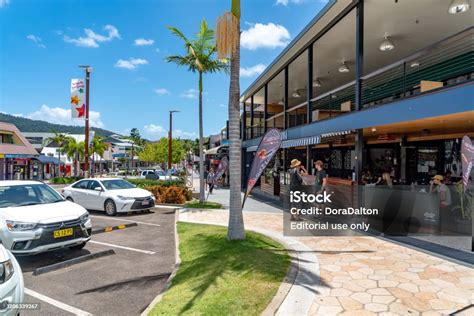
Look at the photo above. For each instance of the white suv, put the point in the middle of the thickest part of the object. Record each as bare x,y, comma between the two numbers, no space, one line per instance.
34,218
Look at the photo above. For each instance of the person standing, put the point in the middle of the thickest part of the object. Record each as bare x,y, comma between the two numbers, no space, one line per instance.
321,177
296,184
436,184
210,180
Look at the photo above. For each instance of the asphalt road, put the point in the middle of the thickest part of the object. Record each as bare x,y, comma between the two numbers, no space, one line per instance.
120,284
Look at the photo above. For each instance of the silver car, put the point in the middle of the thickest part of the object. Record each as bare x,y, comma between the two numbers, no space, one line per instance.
35,218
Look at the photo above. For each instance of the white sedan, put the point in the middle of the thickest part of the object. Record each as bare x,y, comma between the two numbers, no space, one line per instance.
34,218
12,288
110,195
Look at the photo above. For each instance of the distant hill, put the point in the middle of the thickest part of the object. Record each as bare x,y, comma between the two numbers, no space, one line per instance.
28,125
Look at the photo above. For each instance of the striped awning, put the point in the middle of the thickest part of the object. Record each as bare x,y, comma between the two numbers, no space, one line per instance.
337,133
306,141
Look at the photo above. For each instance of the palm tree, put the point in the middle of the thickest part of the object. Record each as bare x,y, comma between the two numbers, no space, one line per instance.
136,140
228,46
75,151
98,147
199,57
59,139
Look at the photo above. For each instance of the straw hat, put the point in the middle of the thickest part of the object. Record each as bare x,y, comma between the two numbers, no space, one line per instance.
295,163
438,177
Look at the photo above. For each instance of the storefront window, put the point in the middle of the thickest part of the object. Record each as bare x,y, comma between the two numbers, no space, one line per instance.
275,115
247,121
258,113
334,70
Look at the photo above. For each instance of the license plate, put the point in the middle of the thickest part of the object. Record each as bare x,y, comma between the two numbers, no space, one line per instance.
145,202
63,233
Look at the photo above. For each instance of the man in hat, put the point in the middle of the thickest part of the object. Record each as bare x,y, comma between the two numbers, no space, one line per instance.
436,184
296,183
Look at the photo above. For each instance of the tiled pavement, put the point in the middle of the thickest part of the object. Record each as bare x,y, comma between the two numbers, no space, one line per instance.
369,276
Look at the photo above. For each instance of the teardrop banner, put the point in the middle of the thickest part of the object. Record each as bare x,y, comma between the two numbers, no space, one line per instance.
78,105
467,159
223,164
267,148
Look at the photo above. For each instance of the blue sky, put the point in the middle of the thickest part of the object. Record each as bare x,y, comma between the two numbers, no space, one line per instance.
43,42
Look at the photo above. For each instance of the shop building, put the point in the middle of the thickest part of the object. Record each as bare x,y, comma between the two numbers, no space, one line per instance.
367,86
16,154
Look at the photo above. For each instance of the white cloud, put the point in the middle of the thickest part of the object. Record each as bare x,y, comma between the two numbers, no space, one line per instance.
93,39
153,131
190,94
131,63
265,36
143,42
4,3
286,2
161,91
252,71
63,116
36,39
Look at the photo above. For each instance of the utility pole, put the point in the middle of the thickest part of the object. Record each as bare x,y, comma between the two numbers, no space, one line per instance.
88,70
170,140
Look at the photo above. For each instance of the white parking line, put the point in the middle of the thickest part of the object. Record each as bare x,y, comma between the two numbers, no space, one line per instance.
122,247
58,304
125,220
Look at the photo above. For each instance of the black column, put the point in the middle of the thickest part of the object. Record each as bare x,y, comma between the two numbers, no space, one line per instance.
244,123
265,111
309,95
285,93
251,117
358,85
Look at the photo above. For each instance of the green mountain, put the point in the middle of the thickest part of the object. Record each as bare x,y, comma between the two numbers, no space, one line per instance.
27,125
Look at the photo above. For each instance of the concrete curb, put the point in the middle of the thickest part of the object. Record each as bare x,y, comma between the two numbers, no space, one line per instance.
298,290
112,228
177,263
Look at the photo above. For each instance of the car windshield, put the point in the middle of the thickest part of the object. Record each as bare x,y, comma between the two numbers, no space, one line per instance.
117,184
28,194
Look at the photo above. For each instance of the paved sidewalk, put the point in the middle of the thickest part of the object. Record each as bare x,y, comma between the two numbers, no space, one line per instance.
366,275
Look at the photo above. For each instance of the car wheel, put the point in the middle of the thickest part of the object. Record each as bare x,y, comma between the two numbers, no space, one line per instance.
69,199
78,247
110,208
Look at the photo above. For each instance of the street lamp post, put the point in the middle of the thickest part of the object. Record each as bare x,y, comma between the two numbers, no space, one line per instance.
88,70
170,143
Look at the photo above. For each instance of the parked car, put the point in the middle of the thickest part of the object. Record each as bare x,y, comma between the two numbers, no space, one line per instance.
35,218
110,195
12,288
162,175
145,173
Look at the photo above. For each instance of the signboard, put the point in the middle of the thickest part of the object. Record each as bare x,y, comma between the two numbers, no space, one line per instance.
467,158
78,103
267,148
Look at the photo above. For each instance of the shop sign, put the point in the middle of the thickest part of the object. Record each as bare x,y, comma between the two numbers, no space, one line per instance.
267,148
15,156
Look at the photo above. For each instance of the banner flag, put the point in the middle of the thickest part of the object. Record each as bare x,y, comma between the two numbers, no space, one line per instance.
267,148
78,104
467,159
223,164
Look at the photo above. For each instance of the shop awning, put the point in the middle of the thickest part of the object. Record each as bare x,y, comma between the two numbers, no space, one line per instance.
49,160
213,151
305,141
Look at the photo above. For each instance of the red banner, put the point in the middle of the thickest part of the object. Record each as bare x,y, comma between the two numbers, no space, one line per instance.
224,163
267,148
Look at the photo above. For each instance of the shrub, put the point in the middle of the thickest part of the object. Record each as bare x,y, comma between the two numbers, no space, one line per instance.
64,180
170,194
144,183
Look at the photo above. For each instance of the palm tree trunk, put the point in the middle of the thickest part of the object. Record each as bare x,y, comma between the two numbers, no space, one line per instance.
201,145
236,229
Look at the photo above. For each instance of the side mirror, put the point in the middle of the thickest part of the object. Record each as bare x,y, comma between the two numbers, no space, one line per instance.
98,189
